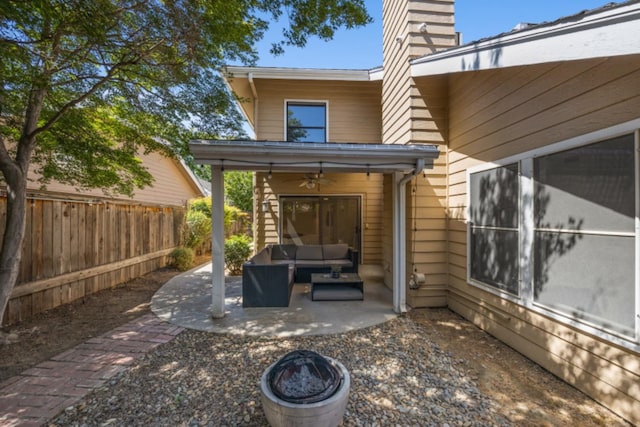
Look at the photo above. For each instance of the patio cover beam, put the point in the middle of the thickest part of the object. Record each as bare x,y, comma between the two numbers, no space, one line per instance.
262,156
401,161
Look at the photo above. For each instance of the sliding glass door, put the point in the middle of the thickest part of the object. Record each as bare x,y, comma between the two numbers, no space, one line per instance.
320,220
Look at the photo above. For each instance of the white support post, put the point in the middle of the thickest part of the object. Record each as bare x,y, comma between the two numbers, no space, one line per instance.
217,238
399,243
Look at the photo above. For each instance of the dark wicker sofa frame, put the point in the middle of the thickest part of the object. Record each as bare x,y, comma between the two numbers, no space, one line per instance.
268,277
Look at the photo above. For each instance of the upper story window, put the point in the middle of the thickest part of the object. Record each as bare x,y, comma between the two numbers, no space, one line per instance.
306,121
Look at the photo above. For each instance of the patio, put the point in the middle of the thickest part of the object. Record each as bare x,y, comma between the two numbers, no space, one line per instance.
186,299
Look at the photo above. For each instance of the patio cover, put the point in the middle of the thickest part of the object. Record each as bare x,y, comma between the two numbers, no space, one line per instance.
401,161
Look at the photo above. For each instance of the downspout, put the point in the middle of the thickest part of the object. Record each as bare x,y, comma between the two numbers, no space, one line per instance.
400,238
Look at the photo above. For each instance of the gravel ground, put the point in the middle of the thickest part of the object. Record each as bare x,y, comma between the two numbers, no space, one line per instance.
398,378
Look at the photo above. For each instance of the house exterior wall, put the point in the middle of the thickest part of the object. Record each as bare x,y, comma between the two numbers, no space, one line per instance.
533,107
357,184
354,108
171,187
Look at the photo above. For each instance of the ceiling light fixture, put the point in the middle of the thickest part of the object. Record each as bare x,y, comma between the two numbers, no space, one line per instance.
270,174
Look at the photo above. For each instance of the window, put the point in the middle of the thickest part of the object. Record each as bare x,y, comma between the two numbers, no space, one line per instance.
494,227
309,220
306,121
557,232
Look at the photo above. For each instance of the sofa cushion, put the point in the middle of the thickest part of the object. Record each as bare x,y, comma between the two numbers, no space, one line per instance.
309,263
279,252
263,257
335,251
309,252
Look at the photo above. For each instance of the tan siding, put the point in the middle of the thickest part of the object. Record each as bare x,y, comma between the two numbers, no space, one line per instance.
171,187
243,93
266,225
533,107
403,120
354,108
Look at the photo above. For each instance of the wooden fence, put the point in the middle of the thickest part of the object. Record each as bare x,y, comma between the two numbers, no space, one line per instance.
75,248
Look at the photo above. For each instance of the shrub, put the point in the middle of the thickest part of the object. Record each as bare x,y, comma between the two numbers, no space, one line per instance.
203,204
197,229
181,258
234,220
236,251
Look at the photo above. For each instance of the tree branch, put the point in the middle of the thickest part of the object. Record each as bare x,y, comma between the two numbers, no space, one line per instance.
106,78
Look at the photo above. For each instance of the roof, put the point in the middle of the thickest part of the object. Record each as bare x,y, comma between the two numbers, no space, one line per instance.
280,156
607,31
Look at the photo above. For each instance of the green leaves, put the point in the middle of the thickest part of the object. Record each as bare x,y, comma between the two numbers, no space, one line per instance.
238,188
86,86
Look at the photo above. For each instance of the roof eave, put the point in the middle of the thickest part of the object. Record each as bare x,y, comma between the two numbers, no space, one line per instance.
604,34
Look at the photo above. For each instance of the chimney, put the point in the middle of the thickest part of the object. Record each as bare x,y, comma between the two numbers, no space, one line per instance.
411,29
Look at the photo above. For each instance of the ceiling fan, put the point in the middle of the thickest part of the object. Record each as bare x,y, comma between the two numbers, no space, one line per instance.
312,180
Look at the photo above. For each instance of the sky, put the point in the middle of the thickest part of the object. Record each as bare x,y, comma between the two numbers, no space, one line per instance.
361,48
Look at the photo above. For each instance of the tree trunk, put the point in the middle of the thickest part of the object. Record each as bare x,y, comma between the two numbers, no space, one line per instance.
11,251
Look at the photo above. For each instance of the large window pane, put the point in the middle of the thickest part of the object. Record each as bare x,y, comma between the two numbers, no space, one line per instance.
321,220
587,277
587,188
306,122
584,247
494,258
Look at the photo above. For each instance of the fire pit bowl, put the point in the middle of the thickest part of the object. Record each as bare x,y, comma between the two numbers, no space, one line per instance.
305,389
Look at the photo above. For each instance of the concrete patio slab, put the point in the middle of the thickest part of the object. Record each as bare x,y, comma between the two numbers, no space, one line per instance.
186,299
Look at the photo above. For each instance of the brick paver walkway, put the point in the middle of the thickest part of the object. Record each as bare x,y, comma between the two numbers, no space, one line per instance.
40,393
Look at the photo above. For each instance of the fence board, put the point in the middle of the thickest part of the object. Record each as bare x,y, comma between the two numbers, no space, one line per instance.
25,265
65,253
37,222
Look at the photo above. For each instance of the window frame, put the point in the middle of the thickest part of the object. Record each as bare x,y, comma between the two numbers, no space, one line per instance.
315,102
527,231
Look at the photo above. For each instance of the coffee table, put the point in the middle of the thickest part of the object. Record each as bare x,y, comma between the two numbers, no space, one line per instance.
348,286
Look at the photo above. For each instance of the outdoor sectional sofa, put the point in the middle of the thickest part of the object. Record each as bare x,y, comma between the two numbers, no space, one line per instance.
268,277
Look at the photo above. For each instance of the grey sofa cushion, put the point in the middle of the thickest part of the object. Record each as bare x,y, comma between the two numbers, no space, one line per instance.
279,252
290,262
309,252
309,263
335,251
263,257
